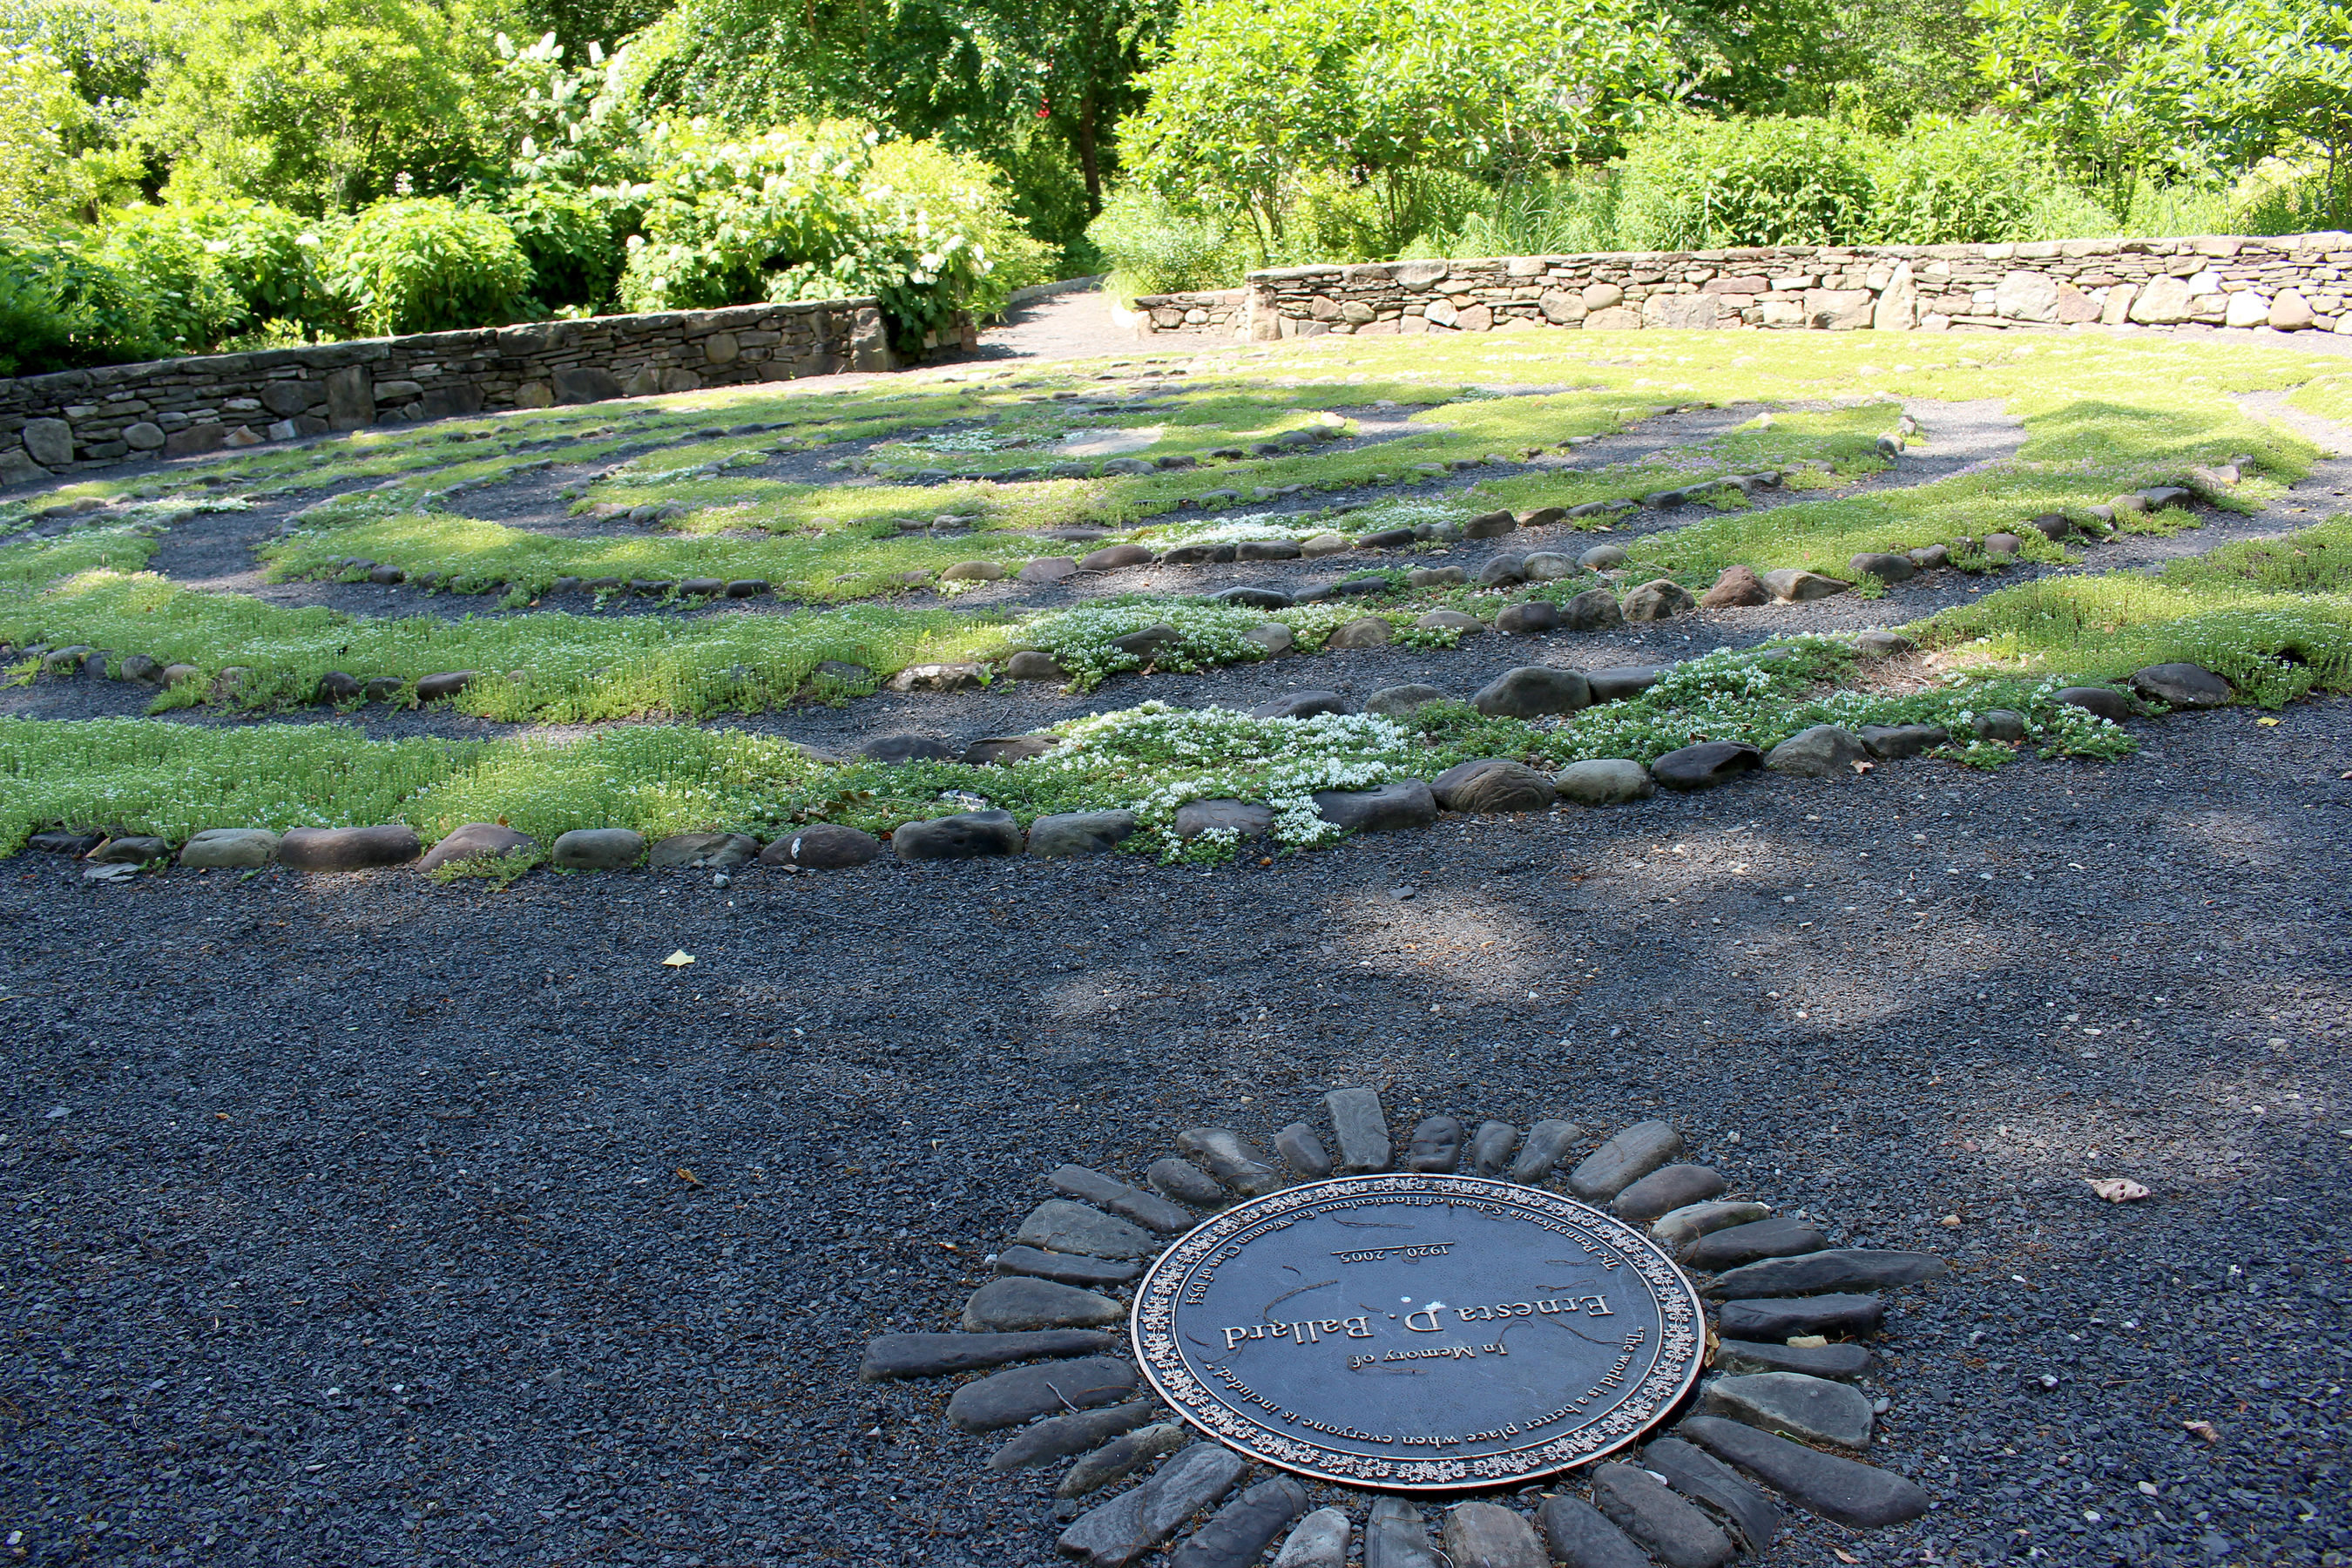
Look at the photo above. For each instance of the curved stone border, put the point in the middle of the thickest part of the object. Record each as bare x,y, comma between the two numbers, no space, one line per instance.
1790,1311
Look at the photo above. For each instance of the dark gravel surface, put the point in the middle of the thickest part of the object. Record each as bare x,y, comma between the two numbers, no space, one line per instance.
361,1221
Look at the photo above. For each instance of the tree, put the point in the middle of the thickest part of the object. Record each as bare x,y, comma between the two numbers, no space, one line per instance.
321,104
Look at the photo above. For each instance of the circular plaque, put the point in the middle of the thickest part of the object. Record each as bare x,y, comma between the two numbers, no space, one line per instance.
1414,1332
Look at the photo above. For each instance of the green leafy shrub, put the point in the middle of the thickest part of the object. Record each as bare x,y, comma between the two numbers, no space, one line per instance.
573,238
1154,246
1956,182
213,270
37,323
428,264
1701,184
819,211
78,308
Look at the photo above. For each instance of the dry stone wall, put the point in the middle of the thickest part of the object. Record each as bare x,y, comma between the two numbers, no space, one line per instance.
2292,282
80,419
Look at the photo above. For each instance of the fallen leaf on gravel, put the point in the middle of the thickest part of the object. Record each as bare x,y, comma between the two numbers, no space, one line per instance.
1844,1555
1949,1219
678,959
2203,1429
2266,723
1863,768
2117,1189
688,1177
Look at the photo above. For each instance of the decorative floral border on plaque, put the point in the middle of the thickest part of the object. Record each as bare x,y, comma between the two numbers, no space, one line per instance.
1677,1364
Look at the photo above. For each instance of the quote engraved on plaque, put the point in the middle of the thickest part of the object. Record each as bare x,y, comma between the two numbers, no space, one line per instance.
1418,1332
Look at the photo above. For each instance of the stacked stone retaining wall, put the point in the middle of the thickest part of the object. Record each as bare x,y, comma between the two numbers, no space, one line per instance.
77,420
2292,282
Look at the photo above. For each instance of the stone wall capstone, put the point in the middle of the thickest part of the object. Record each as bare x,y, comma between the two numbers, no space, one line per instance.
2292,282
72,420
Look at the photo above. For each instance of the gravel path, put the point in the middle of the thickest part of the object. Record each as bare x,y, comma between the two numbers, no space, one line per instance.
357,1220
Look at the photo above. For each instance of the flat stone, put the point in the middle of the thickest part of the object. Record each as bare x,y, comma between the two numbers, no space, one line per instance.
821,847
1492,783
1533,689
1786,1316
130,849
1148,1210
1844,1491
447,684
1791,586
1676,1533
1237,1534
1548,566
1665,1190
1490,1151
597,849
2002,546
1595,610
1253,598
1303,705
1396,702
1273,637
1396,1537
746,587
1068,1267
1835,1268
936,1355
1579,1537
2181,686
1738,586
1249,818
1625,1158
1547,1142
1680,1226
1073,1433
1361,1128
474,841
1735,1245
1488,1535
1059,1226
1843,1361
1358,587
1656,600
1435,577
1691,1470
1231,1159
1122,1531
1528,618
1121,1457
1303,1151
2001,724
1821,751
58,841
2104,700
1884,566
1489,525
230,849
333,687
1048,570
2159,497
1080,832
907,748
1319,1542
965,835
702,851
1031,665
1187,1183
348,848
1384,808
1898,741
1451,621
1706,764
1604,782
1004,750
1112,557
1372,631
1012,1304
1810,1409
1387,539
1436,1145
1267,550
1603,558
1010,1398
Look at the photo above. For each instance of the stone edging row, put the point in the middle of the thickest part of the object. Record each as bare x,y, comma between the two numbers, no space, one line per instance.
1486,785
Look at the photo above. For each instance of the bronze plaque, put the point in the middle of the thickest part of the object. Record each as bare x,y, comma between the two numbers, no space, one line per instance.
1414,1332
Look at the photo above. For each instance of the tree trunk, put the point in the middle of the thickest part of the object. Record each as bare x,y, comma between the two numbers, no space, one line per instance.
1089,164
